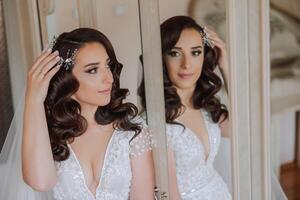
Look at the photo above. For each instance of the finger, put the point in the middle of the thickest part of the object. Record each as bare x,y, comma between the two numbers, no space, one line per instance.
44,62
40,59
208,30
216,39
46,47
219,40
211,34
49,66
219,44
51,73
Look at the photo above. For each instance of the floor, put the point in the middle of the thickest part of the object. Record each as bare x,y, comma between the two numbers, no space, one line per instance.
290,181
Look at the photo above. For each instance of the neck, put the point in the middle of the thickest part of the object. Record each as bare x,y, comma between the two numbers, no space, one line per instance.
186,96
88,112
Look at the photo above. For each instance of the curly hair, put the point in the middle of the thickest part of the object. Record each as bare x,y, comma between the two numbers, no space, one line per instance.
208,84
63,113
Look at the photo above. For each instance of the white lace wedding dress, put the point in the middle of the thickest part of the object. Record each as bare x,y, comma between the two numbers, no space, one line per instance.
196,177
115,179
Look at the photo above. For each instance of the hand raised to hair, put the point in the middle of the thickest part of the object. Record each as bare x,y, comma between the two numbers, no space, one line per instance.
220,45
223,62
40,74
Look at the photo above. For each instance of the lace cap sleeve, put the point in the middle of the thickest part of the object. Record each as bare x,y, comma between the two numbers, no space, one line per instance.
143,142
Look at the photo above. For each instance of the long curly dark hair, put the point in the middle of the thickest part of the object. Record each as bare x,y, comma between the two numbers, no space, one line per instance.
63,113
208,84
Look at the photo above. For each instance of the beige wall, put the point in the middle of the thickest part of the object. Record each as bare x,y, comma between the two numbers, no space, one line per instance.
119,20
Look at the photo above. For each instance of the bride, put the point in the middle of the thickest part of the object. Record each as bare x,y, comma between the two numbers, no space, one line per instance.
80,141
195,117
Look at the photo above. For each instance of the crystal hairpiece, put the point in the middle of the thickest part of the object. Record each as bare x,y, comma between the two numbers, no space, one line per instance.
70,58
206,40
53,42
69,61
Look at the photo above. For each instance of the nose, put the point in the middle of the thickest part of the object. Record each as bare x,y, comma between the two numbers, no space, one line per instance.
186,62
108,77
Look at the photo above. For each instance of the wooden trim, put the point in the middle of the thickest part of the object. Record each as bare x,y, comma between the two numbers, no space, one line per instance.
151,48
266,99
250,89
239,107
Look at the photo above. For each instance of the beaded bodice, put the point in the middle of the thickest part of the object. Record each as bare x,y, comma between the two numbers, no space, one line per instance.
195,174
115,179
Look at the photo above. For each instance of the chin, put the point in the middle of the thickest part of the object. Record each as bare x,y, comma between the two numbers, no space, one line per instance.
104,102
185,86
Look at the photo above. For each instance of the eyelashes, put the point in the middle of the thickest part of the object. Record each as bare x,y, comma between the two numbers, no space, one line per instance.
94,70
175,54
196,53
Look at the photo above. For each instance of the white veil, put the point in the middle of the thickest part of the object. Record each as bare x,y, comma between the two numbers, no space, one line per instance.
12,186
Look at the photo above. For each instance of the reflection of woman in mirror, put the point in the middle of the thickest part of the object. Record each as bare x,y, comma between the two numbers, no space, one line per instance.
79,138
195,116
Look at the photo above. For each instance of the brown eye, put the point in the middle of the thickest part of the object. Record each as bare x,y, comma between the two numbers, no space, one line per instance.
174,54
196,53
92,70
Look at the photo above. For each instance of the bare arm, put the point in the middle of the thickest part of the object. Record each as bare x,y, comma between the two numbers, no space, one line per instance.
143,181
224,69
173,187
225,128
38,166
223,62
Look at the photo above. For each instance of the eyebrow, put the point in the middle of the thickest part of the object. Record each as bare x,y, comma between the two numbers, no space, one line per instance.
195,47
91,64
95,63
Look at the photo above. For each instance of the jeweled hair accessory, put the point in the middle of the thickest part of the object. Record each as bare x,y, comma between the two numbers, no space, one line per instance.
70,58
206,39
69,61
53,42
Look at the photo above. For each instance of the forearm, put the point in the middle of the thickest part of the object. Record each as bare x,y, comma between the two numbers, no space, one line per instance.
38,165
143,181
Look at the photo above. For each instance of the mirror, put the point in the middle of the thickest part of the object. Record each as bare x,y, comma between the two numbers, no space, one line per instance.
183,175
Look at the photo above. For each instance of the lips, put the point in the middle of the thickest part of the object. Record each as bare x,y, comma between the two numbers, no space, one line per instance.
185,75
105,91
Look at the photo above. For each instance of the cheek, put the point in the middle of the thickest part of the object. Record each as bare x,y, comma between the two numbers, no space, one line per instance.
86,85
197,65
84,90
172,67
87,89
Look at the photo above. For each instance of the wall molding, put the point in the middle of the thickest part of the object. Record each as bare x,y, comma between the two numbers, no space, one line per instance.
248,32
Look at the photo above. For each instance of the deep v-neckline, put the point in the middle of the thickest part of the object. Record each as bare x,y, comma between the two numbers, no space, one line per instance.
194,134
101,167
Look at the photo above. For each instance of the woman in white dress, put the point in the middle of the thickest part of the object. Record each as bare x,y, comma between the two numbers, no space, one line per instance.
80,141
195,117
